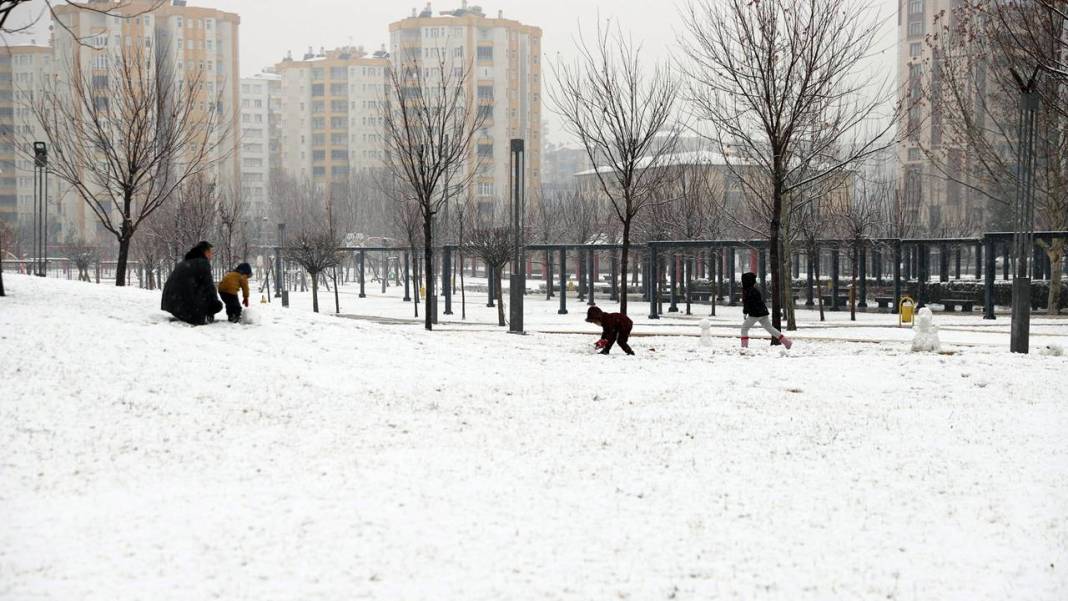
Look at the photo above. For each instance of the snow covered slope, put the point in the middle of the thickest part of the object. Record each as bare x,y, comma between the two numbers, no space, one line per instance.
311,457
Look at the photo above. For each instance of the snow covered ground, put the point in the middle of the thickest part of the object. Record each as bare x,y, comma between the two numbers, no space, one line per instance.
312,457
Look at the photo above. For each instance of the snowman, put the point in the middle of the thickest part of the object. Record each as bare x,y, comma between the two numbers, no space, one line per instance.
706,332
926,337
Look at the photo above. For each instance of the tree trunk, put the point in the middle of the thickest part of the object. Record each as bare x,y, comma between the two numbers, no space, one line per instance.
428,270
774,254
853,282
315,292
819,286
498,270
789,302
124,257
1055,252
463,293
623,261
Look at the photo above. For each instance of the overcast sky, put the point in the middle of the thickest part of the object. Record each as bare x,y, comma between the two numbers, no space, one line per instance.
270,28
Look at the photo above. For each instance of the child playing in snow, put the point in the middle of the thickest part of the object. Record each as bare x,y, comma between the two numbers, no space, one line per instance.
615,327
228,287
756,312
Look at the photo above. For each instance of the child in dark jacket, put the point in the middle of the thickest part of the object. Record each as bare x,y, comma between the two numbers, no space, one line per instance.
757,312
615,327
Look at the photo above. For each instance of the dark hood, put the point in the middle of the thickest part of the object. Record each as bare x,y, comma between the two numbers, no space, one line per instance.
748,280
594,314
197,252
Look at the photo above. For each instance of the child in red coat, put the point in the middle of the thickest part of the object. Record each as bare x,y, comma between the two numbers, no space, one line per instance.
615,328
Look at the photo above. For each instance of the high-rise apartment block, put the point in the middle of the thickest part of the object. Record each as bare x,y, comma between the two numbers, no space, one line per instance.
331,114
261,140
939,194
188,41
23,71
503,58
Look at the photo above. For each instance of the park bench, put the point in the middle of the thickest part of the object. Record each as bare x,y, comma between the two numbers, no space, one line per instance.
828,300
884,302
950,304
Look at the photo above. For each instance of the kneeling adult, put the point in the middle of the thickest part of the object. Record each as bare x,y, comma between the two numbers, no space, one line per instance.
189,293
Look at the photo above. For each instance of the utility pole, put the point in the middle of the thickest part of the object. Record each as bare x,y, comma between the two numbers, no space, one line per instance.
40,208
1023,213
518,278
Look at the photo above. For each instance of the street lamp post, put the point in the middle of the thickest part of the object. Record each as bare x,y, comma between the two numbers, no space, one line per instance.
518,278
40,208
1023,213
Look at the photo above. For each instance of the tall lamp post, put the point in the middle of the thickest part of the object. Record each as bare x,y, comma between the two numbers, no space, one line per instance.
518,278
1023,213
40,207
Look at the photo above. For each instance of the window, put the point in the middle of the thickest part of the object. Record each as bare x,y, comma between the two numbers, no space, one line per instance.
915,29
317,107
317,90
338,73
485,150
252,162
318,139
915,49
485,92
318,171
338,106
485,112
318,155
485,188
318,123
915,7
337,122
337,139
485,53
914,154
338,89
339,155
317,74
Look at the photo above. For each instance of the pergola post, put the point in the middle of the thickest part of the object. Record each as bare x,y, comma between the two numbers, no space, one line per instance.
897,276
979,260
613,266
654,289
862,253
762,267
363,274
957,250
877,263
1006,261
943,262
589,277
809,279
407,280
688,264
563,281
731,261
673,270
988,278
446,278
548,274
836,265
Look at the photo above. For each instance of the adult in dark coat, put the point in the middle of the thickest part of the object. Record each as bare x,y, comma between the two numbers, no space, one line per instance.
189,293
615,328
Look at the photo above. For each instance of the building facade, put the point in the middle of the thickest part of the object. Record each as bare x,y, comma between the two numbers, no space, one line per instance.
331,122
937,191
23,72
261,143
503,57
188,41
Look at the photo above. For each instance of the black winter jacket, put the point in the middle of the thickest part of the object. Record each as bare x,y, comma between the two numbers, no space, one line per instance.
752,303
189,293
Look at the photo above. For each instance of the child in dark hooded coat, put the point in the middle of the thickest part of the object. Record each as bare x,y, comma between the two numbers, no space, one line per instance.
615,328
757,312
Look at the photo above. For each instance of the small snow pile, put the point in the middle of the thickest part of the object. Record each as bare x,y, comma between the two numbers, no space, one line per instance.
926,338
250,317
706,332
1053,350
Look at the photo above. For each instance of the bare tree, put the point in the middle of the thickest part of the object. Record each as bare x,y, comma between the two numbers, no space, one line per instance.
188,218
431,121
624,116
316,252
981,54
127,139
232,217
493,244
857,220
778,83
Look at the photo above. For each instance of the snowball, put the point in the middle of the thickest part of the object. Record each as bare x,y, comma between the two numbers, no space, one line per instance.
250,317
1053,350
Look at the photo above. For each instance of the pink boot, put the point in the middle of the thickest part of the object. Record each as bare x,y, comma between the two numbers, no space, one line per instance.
786,342
745,342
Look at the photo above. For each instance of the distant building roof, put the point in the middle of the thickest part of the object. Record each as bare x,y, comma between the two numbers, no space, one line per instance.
698,157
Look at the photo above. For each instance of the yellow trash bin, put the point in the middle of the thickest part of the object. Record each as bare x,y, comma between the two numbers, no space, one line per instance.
906,310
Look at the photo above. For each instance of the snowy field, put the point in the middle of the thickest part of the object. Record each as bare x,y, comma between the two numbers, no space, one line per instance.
313,457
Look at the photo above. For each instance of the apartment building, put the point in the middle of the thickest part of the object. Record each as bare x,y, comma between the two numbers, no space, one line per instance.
504,58
939,195
261,140
23,70
189,41
331,120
